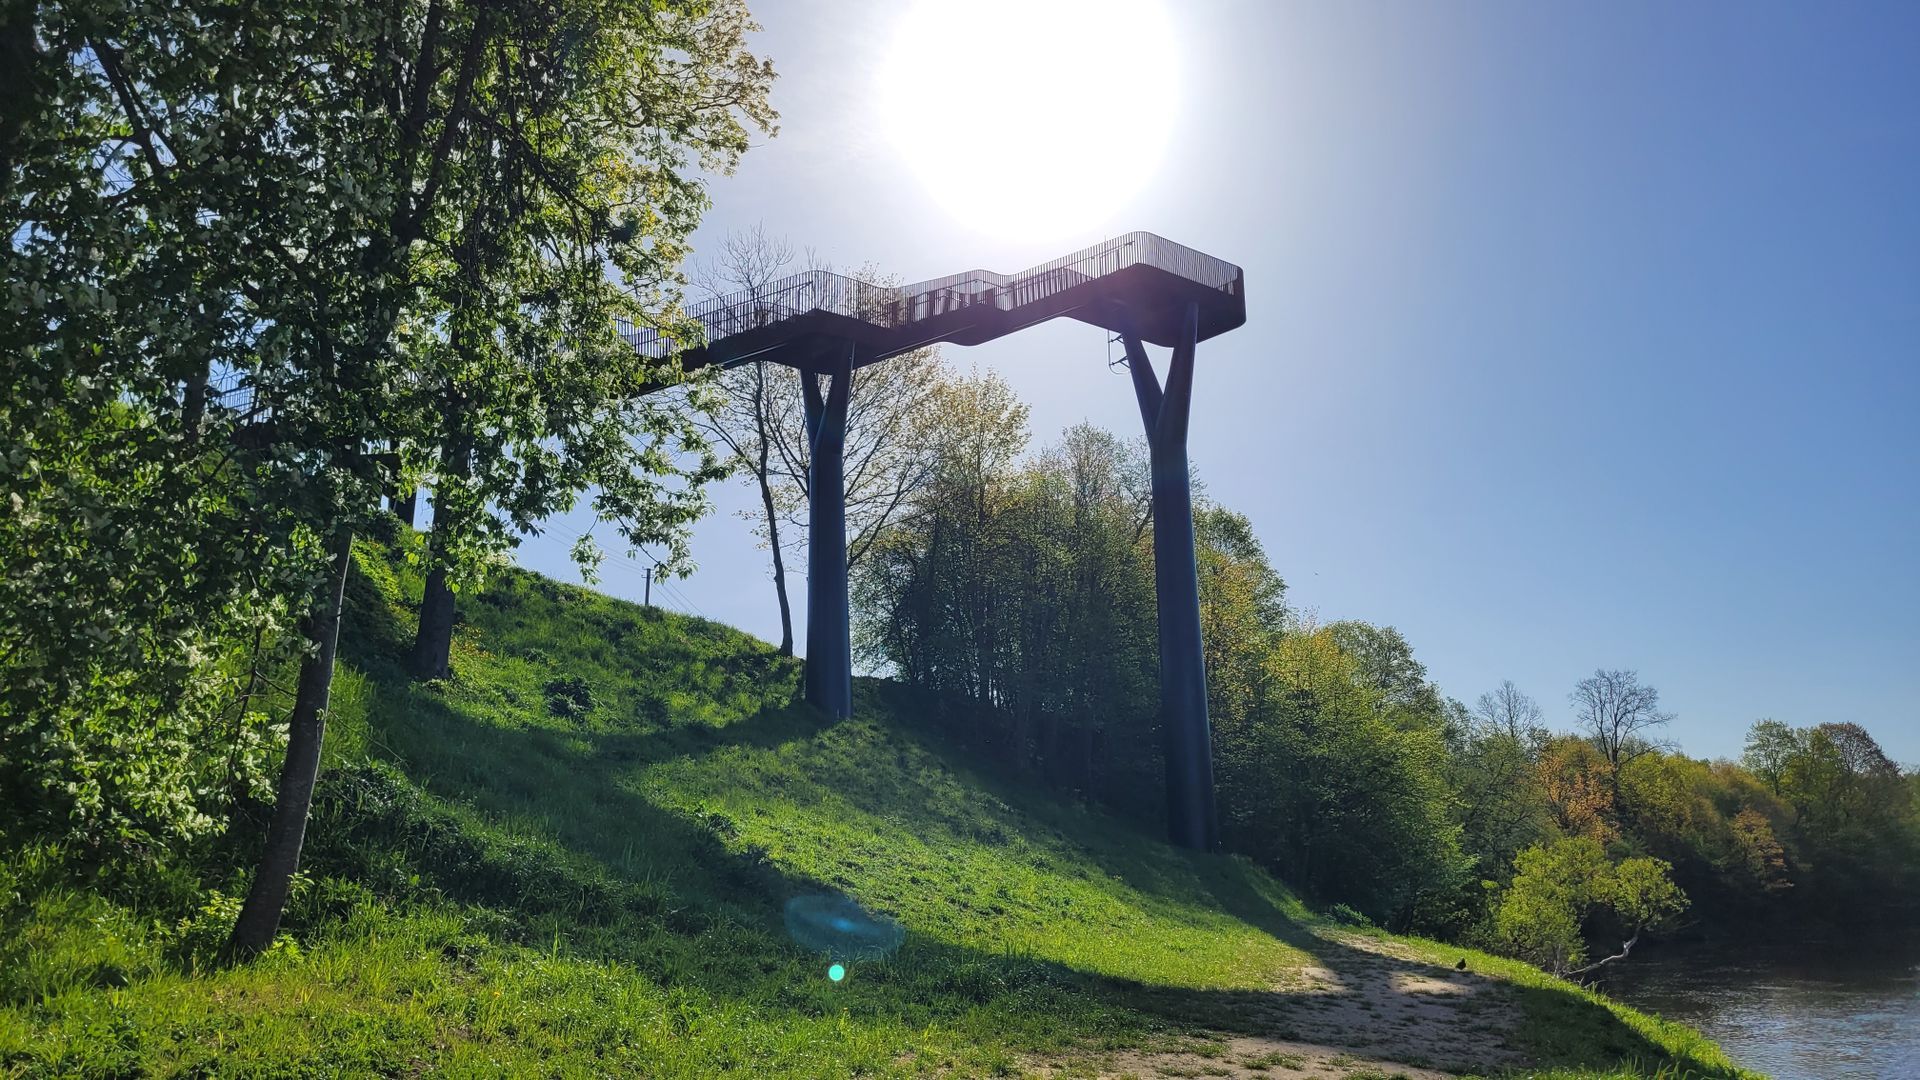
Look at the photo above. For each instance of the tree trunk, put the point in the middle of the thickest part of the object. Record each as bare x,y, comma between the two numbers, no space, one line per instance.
1019,737
766,505
779,561
432,656
406,508
1087,743
267,899
433,640
193,407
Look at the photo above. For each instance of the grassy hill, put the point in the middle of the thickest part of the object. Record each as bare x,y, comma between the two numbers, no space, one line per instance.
571,860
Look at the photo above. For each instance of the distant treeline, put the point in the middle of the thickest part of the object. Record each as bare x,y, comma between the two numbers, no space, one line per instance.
1024,585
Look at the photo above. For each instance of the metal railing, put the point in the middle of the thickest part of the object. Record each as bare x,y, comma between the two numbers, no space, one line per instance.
893,307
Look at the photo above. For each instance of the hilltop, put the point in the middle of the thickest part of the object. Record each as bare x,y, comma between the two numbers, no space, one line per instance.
571,859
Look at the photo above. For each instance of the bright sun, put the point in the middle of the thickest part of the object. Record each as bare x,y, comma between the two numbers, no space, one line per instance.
1031,118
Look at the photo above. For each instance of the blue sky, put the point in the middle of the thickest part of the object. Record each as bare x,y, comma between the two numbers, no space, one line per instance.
1578,334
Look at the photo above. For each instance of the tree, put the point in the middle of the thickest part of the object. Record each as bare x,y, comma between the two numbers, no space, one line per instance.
1507,710
1621,717
1833,817
1503,806
143,571
1759,852
935,610
1643,897
1327,788
1770,746
1542,913
1242,614
757,399
1104,651
888,452
1573,779
288,196
1859,755
537,398
1386,664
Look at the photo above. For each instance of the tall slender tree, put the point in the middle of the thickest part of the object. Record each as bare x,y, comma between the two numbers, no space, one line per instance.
756,399
889,451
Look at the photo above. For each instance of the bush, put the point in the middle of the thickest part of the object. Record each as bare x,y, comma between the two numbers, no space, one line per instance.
569,697
1341,913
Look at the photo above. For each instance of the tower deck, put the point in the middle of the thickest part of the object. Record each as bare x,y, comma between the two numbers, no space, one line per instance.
1136,283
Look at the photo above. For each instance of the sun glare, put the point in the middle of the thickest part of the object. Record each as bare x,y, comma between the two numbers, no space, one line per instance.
1031,118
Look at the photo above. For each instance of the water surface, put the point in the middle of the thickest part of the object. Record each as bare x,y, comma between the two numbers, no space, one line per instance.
1795,1012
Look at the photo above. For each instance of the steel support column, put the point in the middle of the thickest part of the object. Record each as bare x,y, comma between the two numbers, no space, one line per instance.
1176,580
829,667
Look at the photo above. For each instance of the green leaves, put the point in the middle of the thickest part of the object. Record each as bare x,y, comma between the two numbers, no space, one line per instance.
242,244
524,368
1556,887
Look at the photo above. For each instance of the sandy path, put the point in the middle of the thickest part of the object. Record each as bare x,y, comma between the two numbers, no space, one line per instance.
1370,1010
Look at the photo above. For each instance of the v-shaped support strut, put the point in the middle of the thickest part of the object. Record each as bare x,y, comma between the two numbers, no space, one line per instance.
1184,724
829,670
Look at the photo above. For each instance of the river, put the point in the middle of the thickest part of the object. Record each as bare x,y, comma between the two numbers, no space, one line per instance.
1803,1012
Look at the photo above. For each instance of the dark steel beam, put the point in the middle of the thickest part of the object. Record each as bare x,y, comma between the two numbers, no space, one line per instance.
1184,723
829,663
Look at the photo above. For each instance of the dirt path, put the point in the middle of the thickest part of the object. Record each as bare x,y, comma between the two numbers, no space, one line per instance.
1369,1010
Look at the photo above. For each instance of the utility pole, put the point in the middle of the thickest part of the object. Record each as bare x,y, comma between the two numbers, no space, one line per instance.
649,593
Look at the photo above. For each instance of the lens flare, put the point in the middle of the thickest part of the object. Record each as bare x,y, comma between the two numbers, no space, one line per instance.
840,928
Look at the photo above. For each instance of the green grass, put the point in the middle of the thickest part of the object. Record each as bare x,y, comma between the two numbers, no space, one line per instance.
507,875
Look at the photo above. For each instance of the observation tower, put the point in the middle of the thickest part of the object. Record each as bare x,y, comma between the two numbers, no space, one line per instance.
1142,287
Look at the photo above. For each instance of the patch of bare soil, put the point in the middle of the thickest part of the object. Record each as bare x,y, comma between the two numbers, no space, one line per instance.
1370,1009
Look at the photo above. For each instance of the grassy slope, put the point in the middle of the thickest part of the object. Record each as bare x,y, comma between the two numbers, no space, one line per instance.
498,888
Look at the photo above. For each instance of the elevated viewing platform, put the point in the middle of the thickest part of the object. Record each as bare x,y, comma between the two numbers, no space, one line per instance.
1138,283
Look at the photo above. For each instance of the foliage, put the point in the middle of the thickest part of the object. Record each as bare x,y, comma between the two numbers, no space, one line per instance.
1326,787
1844,827
1493,761
249,256
1557,887
1384,663
1576,784
561,211
142,582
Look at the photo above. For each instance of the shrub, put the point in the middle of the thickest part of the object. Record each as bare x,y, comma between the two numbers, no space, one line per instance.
569,697
1341,913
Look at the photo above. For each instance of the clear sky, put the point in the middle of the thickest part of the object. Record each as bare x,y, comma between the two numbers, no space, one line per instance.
1579,334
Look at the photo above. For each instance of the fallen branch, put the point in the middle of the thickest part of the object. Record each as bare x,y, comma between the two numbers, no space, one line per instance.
1625,948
